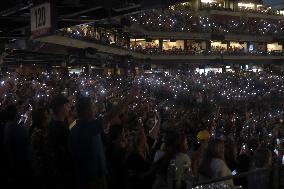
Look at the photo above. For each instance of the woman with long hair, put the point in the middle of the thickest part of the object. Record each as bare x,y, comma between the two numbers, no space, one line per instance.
175,157
213,164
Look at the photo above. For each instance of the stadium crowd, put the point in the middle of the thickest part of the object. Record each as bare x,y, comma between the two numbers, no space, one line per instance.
159,130
215,50
180,21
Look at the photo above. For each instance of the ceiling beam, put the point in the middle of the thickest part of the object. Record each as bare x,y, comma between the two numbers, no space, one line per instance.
15,9
127,8
81,12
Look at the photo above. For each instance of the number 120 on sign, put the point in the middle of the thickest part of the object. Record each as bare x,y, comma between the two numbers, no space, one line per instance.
40,17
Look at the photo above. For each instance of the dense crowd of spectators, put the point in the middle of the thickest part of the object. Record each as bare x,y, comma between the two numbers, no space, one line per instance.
219,5
215,50
248,8
87,34
180,21
159,130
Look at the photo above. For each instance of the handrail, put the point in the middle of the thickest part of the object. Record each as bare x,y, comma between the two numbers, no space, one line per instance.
241,175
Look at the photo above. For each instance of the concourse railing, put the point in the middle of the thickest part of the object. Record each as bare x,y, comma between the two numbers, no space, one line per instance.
276,174
157,51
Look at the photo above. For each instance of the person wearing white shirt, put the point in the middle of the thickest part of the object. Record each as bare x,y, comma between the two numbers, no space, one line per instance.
213,164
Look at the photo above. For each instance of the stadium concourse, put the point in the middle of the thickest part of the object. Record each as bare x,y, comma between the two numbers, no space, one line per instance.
141,94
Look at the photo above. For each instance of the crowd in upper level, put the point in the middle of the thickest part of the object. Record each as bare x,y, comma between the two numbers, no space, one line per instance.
181,18
236,6
177,21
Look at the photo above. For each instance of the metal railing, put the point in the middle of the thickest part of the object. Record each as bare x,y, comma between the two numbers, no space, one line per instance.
277,171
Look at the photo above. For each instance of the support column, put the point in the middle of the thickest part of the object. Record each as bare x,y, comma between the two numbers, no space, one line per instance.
196,5
227,4
185,45
115,69
161,45
114,38
235,6
228,45
100,33
282,44
265,47
127,42
208,45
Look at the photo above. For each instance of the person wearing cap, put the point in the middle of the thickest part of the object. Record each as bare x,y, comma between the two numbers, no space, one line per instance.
203,137
58,137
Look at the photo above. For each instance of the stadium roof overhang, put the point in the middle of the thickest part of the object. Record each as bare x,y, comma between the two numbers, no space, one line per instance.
15,14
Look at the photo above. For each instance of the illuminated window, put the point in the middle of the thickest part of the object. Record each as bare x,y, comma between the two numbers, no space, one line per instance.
274,47
167,44
143,43
208,1
212,3
246,6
